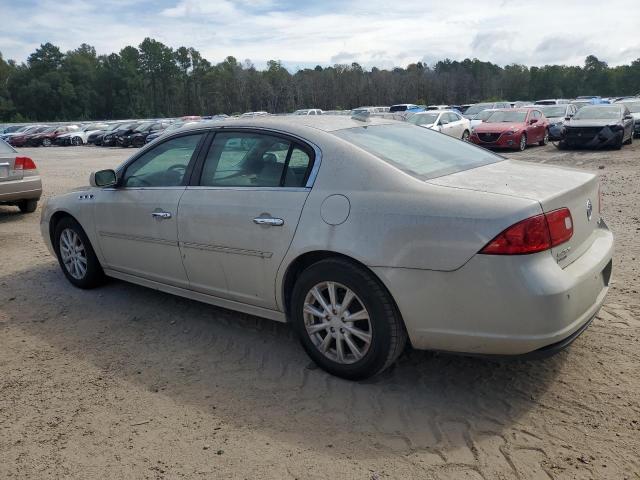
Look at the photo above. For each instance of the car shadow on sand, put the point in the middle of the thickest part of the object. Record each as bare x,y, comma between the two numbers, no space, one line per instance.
10,214
257,375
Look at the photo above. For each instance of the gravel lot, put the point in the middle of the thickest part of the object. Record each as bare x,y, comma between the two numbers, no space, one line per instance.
126,382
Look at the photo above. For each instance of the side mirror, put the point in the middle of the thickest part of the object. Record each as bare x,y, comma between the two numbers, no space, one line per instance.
532,121
103,178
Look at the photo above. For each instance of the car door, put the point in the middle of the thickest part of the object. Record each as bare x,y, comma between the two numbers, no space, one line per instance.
456,125
237,222
136,222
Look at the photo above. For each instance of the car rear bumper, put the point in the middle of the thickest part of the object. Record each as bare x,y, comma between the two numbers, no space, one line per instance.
503,305
27,188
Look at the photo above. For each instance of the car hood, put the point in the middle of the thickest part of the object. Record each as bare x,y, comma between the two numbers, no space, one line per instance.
498,127
591,123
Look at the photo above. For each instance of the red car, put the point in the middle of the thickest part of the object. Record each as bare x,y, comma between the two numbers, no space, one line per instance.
48,137
513,128
20,139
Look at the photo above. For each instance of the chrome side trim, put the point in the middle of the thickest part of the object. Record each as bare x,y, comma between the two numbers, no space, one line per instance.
223,249
251,189
137,238
201,297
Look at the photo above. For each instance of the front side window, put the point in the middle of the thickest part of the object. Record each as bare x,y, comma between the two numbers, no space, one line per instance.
254,160
420,152
164,165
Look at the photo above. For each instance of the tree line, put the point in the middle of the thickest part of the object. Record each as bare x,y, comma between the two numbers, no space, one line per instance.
154,80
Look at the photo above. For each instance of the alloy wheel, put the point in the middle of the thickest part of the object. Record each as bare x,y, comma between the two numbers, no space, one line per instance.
337,322
73,253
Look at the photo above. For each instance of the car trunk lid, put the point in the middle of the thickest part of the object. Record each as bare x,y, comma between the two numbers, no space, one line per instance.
552,187
8,171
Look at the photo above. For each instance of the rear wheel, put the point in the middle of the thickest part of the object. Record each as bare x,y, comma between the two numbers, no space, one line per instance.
346,320
28,206
76,256
46,142
76,141
545,139
523,142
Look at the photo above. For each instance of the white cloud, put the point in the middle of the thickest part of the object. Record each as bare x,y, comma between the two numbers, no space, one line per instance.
370,32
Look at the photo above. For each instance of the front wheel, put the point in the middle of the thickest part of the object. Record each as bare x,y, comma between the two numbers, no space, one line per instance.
346,320
76,141
523,142
630,141
46,142
76,256
465,136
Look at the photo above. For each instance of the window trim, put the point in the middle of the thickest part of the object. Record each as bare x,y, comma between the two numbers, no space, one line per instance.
309,148
121,170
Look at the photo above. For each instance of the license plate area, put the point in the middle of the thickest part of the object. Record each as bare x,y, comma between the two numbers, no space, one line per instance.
4,170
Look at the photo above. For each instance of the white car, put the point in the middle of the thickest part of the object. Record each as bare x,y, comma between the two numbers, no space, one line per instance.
79,137
446,121
308,111
360,233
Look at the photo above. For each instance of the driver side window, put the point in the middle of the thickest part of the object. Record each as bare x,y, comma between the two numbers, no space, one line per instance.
162,166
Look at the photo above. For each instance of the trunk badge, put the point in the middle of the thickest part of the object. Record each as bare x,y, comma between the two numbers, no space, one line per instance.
589,209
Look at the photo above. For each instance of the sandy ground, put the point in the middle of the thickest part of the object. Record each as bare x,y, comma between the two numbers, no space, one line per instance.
124,382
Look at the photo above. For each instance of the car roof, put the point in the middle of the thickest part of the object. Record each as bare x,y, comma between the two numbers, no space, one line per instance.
294,124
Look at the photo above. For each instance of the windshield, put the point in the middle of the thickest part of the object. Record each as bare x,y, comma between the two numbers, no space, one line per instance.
598,113
113,127
46,130
420,152
144,127
477,108
507,117
484,115
398,108
551,112
634,107
423,119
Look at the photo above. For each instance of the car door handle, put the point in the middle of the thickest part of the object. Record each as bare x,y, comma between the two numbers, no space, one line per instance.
161,215
273,222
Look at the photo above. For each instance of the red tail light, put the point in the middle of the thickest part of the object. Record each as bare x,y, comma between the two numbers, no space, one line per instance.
24,163
535,234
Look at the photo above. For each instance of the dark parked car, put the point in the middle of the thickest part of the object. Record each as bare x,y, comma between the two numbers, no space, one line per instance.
111,139
95,138
20,139
48,136
597,126
556,114
138,137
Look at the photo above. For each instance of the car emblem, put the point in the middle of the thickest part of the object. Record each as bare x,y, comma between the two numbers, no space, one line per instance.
589,209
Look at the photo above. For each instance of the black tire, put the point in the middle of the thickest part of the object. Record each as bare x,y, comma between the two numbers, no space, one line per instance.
76,141
465,136
618,146
522,144
388,334
138,142
94,275
630,141
46,142
28,206
545,139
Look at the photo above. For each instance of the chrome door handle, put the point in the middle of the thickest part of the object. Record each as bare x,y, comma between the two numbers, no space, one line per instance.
161,215
274,222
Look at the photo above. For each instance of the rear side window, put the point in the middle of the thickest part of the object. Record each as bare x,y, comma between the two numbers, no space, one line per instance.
417,151
254,160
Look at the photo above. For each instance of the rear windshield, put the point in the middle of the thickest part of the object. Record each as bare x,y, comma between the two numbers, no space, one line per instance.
598,113
477,108
420,152
5,148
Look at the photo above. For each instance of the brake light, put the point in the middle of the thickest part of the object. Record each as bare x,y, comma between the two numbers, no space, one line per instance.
24,163
535,234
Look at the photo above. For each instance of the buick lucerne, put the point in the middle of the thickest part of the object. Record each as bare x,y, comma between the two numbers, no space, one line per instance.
363,233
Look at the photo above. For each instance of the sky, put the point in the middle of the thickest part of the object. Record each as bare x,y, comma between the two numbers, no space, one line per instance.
303,34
